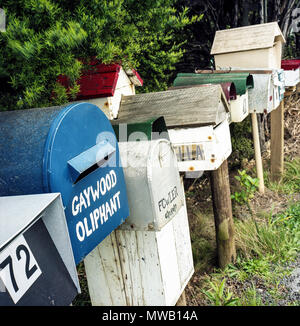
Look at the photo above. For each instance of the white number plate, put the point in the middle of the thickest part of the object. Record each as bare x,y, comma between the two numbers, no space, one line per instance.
18,268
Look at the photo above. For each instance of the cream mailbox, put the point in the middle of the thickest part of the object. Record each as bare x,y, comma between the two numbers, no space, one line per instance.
257,46
239,107
148,260
197,119
37,267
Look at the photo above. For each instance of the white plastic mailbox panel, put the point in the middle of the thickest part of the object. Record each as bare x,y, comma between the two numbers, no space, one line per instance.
239,108
142,268
155,194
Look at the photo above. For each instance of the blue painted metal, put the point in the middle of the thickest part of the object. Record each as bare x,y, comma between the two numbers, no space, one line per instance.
71,150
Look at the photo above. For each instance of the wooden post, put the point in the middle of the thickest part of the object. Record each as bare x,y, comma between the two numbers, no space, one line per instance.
220,189
258,159
277,142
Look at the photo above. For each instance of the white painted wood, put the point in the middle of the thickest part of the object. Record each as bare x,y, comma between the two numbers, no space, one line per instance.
169,264
142,268
110,105
103,270
239,108
257,46
202,148
292,77
183,247
258,159
246,38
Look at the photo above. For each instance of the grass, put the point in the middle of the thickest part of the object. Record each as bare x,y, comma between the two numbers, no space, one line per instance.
290,182
265,243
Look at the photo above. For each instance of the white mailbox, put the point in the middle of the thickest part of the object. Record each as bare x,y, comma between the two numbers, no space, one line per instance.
152,182
197,119
291,72
142,268
37,266
203,148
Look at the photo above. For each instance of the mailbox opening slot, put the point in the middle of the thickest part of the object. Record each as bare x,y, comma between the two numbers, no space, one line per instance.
90,160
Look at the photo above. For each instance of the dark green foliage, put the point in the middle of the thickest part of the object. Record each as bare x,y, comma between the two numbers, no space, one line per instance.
242,142
45,38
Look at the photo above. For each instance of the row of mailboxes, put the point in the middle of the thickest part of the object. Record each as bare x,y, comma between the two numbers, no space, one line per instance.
74,151
258,90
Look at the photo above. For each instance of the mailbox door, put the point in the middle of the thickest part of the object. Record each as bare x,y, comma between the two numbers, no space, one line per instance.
81,161
190,145
164,182
239,108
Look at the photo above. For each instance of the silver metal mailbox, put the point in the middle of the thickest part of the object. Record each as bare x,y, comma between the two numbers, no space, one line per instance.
268,91
37,266
155,194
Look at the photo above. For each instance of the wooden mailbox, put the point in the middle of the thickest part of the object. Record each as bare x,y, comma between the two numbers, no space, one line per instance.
291,72
239,107
147,261
199,114
257,46
37,267
104,85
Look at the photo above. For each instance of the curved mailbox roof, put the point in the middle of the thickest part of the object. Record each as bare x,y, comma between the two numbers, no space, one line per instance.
242,81
291,64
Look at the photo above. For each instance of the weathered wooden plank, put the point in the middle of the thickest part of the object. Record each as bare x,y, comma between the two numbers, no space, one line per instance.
103,266
193,106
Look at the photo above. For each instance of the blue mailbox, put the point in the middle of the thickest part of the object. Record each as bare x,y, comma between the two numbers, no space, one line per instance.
71,150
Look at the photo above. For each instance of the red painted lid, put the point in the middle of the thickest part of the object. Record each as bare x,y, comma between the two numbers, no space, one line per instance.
291,64
100,80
